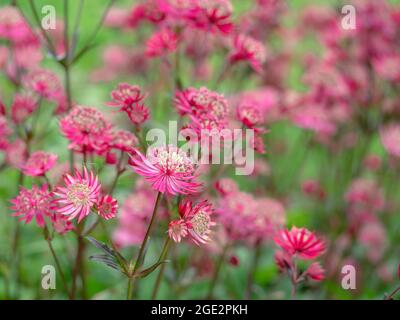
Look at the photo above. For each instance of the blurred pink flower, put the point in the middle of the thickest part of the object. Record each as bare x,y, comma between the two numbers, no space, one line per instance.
33,203
107,207
366,194
161,43
86,129
13,26
61,224
246,48
16,153
226,186
5,131
44,82
373,237
301,242
23,106
315,271
79,195
39,163
390,138
125,95
250,115
137,113
123,140
168,169
388,67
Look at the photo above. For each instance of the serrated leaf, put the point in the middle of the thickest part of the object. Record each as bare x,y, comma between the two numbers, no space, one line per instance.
144,273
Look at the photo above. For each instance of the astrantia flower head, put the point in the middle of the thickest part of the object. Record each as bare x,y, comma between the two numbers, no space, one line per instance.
23,106
249,115
107,207
212,15
44,82
61,224
5,131
195,222
79,195
138,113
226,186
161,43
39,163
86,128
390,137
168,169
315,271
13,26
301,242
123,140
248,49
33,203
125,95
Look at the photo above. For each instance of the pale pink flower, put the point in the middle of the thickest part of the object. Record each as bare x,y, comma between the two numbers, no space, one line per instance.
16,153
107,207
269,216
61,224
388,67
177,229
123,140
161,43
365,194
300,242
80,194
33,203
390,138
39,163
5,131
226,186
86,128
246,48
168,169
13,26
23,106
373,238
315,271
44,82
250,115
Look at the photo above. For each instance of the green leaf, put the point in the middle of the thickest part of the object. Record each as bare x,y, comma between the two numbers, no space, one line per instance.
144,273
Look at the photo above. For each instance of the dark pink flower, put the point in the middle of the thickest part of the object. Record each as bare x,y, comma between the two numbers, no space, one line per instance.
283,261
33,203
168,169
250,115
39,163
107,207
86,129
301,242
177,229
161,43
246,48
80,194
138,113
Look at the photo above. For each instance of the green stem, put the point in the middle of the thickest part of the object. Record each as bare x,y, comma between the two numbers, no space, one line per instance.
163,255
140,256
252,271
217,270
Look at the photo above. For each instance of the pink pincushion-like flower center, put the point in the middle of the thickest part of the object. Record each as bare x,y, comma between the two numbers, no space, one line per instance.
89,120
79,194
172,160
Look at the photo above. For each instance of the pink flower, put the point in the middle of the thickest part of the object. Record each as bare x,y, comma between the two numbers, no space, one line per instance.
195,222
250,115
61,224
365,194
168,169
125,95
390,138
245,48
23,106
226,186
388,67
107,207
78,196
301,242
44,82
39,163
33,203
16,153
86,128
177,229
13,26
138,113
283,261
315,271
270,215
161,43
5,131
123,140
212,15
